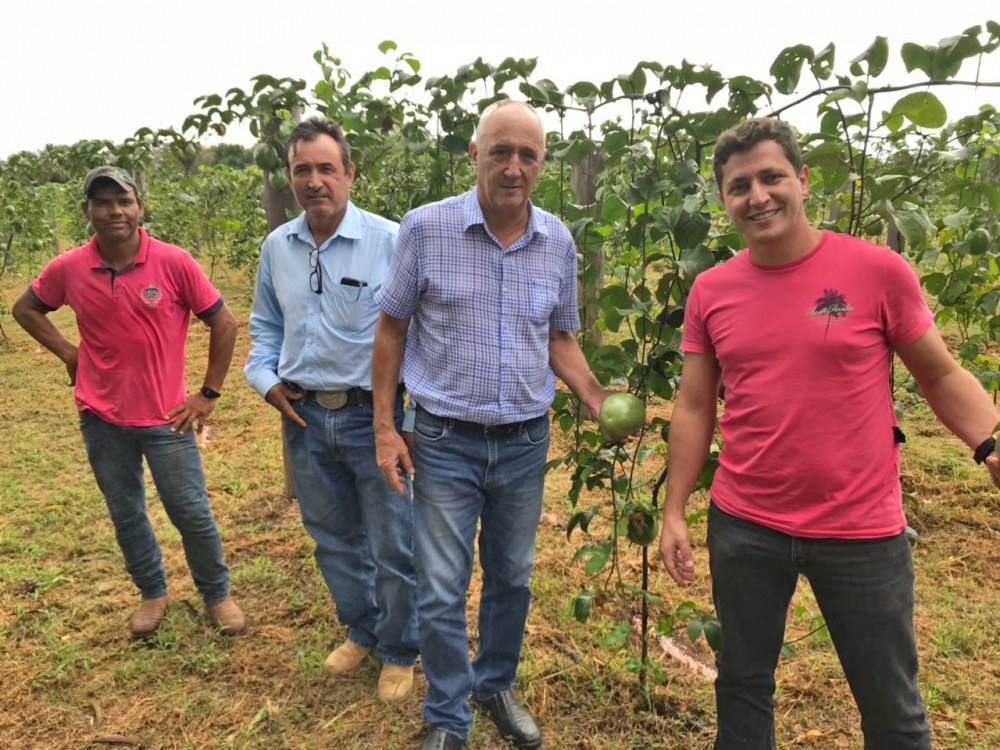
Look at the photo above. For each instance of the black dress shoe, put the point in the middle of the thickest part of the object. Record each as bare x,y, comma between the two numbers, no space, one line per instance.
439,739
512,719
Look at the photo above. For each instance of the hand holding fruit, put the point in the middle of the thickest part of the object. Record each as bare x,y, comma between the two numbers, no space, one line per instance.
622,414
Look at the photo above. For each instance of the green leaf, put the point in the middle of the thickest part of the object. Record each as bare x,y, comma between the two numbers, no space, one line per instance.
597,556
994,31
969,351
921,108
615,141
787,67
617,636
582,519
876,57
694,630
915,226
822,63
613,209
694,261
691,229
713,634
455,144
387,45
988,303
916,57
685,175
958,220
934,282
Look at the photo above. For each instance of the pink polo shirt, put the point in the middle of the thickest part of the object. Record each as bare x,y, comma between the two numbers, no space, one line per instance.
133,326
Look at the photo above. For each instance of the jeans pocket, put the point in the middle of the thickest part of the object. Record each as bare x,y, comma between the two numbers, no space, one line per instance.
430,429
536,431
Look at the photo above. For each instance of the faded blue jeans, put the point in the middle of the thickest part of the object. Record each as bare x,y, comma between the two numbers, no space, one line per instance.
116,455
363,529
462,475
864,589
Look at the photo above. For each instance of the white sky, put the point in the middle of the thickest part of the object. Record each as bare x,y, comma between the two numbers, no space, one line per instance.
73,70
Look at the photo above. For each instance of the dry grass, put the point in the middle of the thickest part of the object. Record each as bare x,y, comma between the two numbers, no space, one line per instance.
70,677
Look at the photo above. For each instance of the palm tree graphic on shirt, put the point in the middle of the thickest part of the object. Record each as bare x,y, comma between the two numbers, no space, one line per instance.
832,304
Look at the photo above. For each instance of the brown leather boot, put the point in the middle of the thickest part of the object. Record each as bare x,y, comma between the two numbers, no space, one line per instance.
346,657
395,682
147,618
228,617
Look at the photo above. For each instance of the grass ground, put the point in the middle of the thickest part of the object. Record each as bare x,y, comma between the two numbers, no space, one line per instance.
71,678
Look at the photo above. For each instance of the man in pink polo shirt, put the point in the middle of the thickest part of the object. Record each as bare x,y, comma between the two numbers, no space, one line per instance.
800,329
133,297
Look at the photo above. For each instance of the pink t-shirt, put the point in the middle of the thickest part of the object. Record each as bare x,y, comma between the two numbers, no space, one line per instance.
133,326
804,349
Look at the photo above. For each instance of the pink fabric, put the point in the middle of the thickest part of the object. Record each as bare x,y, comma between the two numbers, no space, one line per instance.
133,327
804,349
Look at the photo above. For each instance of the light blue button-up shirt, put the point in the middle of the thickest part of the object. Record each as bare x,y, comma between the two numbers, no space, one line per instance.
478,343
322,341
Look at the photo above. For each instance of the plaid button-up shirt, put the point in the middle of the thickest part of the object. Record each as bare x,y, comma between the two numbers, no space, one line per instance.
478,343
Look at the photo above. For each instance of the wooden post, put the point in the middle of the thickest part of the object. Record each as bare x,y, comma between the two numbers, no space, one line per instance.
582,181
276,205
895,238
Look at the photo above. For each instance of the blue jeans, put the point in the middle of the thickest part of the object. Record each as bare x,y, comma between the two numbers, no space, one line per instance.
116,457
462,475
864,589
363,529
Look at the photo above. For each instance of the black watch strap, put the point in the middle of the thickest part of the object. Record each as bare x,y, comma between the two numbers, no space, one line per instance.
985,449
209,393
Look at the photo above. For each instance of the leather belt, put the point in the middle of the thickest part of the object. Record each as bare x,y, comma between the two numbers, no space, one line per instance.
487,430
350,397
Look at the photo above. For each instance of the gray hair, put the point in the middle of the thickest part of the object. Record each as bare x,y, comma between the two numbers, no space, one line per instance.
490,110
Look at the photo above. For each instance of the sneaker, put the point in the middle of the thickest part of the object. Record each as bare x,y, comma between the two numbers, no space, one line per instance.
147,618
228,617
346,657
395,682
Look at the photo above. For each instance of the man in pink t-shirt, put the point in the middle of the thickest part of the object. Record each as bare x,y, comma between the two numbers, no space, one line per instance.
800,330
133,297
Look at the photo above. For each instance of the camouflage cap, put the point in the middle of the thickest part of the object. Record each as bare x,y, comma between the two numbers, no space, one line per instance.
122,178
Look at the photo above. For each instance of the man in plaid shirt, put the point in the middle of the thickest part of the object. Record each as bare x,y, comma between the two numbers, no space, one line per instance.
482,294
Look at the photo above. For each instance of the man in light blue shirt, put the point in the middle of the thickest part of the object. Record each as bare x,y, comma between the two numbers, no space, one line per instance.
312,326
482,294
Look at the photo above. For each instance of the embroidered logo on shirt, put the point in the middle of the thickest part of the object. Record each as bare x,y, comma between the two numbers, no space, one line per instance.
830,307
151,296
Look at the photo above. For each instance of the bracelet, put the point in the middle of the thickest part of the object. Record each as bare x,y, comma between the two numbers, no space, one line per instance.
985,449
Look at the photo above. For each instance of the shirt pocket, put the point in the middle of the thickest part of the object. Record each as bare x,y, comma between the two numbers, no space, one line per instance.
543,295
353,308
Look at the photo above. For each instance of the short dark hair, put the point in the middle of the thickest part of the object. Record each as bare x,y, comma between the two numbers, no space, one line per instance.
749,133
311,129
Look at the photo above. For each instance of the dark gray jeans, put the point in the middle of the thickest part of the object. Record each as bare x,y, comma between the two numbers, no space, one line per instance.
864,589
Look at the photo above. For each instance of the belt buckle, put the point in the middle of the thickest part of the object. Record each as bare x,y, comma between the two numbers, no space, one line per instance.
331,399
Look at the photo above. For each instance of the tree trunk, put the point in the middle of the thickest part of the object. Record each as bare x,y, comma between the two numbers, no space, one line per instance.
582,181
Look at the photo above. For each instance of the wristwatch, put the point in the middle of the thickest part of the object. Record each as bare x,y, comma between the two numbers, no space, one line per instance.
984,450
209,393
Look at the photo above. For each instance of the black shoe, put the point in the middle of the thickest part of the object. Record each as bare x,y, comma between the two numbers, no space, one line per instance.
512,719
439,739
